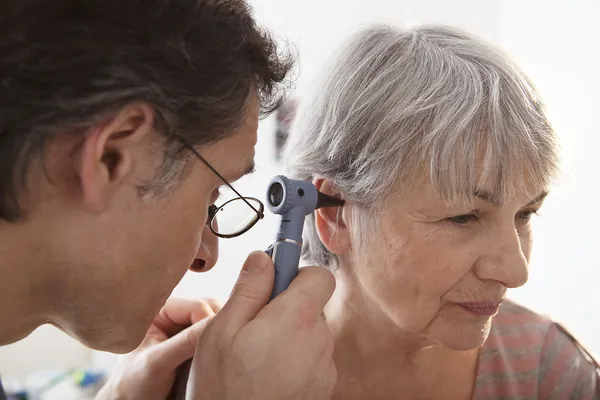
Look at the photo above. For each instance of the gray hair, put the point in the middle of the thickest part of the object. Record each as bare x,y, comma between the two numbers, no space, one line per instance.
432,102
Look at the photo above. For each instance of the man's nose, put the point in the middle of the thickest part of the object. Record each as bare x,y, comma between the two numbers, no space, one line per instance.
208,253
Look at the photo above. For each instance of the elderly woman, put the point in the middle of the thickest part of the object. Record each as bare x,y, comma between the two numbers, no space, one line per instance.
442,151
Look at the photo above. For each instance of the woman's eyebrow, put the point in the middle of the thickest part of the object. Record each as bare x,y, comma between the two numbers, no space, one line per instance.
487,196
494,200
537,199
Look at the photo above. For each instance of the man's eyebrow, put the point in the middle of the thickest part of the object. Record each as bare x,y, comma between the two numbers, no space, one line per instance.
250,169
247,170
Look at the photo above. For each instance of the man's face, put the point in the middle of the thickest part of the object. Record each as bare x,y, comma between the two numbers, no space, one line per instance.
118,267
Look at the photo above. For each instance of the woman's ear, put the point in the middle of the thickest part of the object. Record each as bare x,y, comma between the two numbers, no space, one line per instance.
331,222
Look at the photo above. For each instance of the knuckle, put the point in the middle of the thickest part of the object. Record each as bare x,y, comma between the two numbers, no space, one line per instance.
220,341
189,339
326,277
214,304
213,334
201,311
247,290
204,304
305,315
331,283
150,363
214,346
328,346
320,280
325,379
331,376
325,344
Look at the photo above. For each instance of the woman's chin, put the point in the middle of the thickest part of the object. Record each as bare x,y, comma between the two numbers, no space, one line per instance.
462,337
463,345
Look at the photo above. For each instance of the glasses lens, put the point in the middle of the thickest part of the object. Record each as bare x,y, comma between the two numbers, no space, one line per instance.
235,216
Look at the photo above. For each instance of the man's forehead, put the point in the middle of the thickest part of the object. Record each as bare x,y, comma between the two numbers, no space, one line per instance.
235,153
244,148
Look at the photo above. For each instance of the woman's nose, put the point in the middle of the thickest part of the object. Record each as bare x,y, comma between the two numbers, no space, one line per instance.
507,263
208,253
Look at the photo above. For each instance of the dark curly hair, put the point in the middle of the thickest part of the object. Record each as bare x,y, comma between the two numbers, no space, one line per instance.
67,64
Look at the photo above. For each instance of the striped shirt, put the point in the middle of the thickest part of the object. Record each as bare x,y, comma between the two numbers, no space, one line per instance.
528,356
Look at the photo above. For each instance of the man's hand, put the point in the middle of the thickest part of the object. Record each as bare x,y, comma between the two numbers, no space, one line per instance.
254,349
149,371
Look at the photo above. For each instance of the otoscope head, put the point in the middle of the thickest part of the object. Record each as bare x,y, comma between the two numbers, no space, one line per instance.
293,200
284,194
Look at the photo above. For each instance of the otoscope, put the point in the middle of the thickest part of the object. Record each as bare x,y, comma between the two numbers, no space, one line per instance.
293,200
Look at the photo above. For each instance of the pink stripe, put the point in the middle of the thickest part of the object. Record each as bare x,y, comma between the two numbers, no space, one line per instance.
509,364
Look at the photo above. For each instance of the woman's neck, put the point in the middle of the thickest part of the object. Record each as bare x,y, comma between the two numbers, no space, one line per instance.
376,358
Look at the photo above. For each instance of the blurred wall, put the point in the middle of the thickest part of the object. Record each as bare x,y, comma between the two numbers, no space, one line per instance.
557,43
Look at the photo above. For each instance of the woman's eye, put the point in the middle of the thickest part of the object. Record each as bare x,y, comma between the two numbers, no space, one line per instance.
526,215
463,219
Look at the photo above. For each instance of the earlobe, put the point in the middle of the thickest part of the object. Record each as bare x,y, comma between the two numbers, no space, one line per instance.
330,222
108,153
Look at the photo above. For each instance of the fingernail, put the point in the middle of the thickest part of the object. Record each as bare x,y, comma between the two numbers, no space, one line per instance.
256,262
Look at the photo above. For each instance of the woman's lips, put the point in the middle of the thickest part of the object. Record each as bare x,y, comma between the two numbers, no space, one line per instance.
481,309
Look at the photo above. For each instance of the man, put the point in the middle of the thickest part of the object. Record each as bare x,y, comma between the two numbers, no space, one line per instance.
119,121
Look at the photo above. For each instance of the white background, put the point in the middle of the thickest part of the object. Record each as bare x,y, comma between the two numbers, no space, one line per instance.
555,42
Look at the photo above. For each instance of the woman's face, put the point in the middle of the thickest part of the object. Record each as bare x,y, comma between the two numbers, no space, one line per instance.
442,270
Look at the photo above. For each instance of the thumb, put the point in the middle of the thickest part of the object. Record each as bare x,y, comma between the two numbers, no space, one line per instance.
250,294
174,351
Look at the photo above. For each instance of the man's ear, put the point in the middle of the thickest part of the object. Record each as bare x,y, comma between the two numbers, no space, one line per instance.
109,152
331,222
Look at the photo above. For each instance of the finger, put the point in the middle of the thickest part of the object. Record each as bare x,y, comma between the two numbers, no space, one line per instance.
178,314
313,285
214,304
250,293
174,351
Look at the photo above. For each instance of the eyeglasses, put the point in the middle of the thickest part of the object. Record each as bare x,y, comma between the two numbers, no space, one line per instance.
236,216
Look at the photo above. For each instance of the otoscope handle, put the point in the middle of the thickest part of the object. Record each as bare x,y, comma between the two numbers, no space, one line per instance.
285,254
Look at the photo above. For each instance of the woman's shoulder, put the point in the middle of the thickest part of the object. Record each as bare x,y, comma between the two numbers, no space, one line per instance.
529,354
519,320
567,367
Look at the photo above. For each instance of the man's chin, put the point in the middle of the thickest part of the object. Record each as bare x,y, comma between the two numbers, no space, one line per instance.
124,346
120,341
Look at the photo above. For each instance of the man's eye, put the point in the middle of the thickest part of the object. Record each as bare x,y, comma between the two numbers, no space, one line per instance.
463,219
216,195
